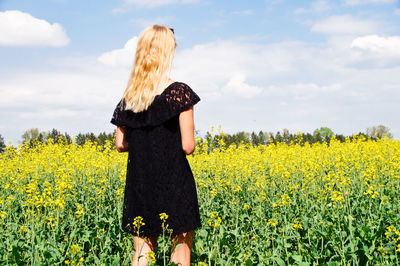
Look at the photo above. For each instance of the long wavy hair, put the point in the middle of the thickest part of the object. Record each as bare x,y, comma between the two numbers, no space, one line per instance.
153,59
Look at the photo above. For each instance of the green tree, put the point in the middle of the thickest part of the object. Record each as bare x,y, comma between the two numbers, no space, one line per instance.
54,134
43,136
254,139
263,137
379,132
91,136
80,139
324,133
278,137
30,135
2,144
242,136
340,137
285,135
317,136
103,137
67,137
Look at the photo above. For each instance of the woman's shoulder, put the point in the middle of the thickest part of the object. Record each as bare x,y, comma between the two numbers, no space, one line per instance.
182,96
181,89
179,85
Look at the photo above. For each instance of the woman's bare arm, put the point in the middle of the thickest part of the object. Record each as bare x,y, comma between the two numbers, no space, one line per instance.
120,139
186,124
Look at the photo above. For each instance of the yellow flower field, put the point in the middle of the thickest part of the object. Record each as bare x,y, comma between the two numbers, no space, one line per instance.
263,205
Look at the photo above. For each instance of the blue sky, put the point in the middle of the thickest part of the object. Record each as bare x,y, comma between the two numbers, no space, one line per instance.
256,65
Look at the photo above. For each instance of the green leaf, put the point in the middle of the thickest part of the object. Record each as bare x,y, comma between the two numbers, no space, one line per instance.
297,258
279,261
199,245
287,245
203,233
249,262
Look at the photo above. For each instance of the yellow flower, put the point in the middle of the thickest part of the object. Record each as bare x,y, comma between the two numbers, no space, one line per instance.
163,216
272,222
213,214
138,221
75,249
296,225
215,220
80,210
337,196
23,228
150,256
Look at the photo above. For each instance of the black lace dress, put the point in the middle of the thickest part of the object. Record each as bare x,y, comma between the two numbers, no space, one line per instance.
159,178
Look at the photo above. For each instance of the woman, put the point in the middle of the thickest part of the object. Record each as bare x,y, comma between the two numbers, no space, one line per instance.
155,125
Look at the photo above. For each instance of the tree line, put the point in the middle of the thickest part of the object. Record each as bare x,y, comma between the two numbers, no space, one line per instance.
322,134
32,136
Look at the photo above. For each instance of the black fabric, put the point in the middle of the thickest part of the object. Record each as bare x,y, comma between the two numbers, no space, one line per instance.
159,178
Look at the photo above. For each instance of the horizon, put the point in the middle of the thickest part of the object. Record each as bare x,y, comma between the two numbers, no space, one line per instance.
257,66
214,131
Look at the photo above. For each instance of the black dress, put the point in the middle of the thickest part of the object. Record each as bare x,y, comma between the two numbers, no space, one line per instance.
159,178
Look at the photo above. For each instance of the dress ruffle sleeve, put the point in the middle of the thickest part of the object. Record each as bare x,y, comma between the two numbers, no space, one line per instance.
175,99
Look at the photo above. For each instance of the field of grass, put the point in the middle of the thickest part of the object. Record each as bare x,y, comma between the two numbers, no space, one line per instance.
335,204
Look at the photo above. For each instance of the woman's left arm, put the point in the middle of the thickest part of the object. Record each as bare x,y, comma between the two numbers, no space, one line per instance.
120,139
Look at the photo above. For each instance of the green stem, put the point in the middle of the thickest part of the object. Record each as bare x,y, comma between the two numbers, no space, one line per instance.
212,249
163,239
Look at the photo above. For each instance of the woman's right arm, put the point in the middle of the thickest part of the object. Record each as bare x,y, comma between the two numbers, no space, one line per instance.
186,125
120,139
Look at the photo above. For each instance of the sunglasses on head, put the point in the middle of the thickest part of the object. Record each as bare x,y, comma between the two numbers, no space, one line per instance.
172,30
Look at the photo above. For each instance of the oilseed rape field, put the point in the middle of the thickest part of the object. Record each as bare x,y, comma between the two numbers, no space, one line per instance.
283,204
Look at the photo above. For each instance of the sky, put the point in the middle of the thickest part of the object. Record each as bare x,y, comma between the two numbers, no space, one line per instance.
256,65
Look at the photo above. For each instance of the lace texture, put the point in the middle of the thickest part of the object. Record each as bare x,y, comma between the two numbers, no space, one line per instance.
159,178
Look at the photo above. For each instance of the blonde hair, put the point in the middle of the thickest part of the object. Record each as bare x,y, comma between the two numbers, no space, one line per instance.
154,53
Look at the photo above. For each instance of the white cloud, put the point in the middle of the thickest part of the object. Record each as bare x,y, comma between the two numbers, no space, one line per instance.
238,86
119,10
22,29
75,101
302,91
321,5
225,64
361,2
51,113
317,6
345,24
157,3
120,57
397,11
57,90
389,46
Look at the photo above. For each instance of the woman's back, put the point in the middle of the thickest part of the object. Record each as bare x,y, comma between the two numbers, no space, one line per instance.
159,178
157,129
